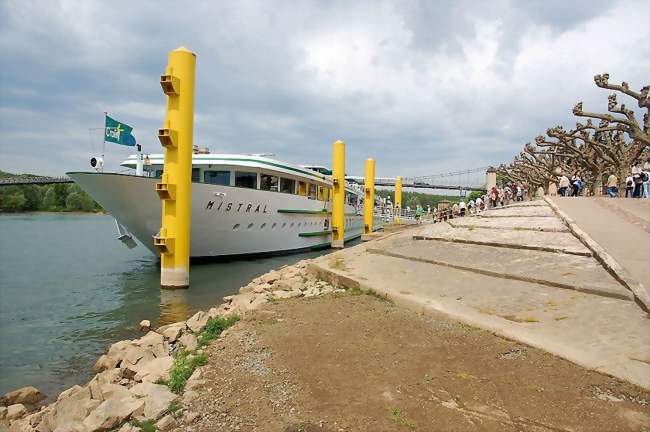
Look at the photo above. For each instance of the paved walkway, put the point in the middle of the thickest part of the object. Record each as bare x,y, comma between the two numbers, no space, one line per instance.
513,277
611,223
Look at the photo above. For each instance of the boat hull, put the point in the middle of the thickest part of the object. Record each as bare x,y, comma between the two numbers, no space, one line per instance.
226,221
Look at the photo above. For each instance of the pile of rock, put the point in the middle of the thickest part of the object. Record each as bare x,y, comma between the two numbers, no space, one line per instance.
126,384
286,282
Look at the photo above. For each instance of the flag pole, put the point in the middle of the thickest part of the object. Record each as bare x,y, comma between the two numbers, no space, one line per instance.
104,139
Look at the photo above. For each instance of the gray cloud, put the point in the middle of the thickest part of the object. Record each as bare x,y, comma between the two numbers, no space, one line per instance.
420,86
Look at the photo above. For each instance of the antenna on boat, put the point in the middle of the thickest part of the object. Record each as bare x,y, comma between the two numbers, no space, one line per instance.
261,154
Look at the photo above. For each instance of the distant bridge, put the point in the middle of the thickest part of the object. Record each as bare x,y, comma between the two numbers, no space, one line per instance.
467,180
33,180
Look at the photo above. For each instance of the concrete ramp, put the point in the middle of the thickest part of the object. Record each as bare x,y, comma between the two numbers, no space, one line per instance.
545,288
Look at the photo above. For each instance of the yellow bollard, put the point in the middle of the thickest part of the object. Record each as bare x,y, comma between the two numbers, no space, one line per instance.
398,198
175,189
369,200
338,194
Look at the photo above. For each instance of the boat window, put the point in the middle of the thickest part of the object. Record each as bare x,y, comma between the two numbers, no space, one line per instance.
312,191
268,182
217,177
196,174
246,179
287,185
302,188
323,193
351,199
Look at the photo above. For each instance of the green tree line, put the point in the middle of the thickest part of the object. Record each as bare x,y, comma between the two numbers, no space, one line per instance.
58,197
412,199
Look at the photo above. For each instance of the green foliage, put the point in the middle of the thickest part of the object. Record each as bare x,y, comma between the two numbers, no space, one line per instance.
399,418
175,408
185,363
145,425
412,199
473,195
13,202
182,369
57,197
214,328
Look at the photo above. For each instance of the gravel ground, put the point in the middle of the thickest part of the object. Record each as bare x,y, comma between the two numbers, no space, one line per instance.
357,363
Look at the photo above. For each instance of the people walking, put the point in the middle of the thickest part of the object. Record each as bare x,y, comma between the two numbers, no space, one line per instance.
494,196
612,185
646,182
629,186
576,183
564,185
520,193
462,208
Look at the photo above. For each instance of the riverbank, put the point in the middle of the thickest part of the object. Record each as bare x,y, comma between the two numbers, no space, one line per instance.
307,355
319,346
139,379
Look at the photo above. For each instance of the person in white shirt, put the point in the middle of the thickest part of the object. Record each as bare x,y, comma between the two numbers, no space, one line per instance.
564,185
479,204
629,186
462,207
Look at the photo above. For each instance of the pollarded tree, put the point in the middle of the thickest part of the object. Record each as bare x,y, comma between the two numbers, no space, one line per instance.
626,120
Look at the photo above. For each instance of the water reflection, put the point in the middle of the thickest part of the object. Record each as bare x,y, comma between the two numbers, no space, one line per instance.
174,306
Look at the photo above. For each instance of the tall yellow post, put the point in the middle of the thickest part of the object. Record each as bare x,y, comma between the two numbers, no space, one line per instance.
369,200
175,189
338,194
398,198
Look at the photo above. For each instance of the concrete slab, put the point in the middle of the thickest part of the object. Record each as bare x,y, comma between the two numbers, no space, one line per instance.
627,243
608,335
538,210
566,271
535,223
636,211
563,242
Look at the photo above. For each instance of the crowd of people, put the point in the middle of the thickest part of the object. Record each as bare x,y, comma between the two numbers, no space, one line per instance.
496,197
636,184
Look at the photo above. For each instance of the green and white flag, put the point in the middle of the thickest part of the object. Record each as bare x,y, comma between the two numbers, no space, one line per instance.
118,133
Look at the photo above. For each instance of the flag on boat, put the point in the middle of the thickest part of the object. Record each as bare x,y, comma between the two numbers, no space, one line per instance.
118,132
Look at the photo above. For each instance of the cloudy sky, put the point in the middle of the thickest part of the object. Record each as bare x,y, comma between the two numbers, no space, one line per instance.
421,86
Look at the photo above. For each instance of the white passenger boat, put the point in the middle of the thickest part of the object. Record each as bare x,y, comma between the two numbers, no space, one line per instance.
242,205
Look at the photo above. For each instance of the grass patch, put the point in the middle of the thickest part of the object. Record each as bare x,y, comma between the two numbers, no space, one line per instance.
485,310
338,263
182,369
185,364
560,317
465,376
174,408
399,418
145,425
214,328
356,291
528,319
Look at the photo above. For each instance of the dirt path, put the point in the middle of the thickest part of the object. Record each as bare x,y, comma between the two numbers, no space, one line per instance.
357,363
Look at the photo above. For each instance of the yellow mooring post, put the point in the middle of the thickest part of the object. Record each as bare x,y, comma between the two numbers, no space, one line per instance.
338,194
369,200
175,189
398,198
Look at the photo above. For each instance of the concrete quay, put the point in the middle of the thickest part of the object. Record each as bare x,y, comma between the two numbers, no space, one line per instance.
529,273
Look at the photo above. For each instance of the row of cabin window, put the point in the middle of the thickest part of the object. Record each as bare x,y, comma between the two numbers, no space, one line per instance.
267,182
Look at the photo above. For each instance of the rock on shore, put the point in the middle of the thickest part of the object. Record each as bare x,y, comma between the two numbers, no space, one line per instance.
125,386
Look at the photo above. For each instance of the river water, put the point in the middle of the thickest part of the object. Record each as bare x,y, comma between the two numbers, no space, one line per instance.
69,288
